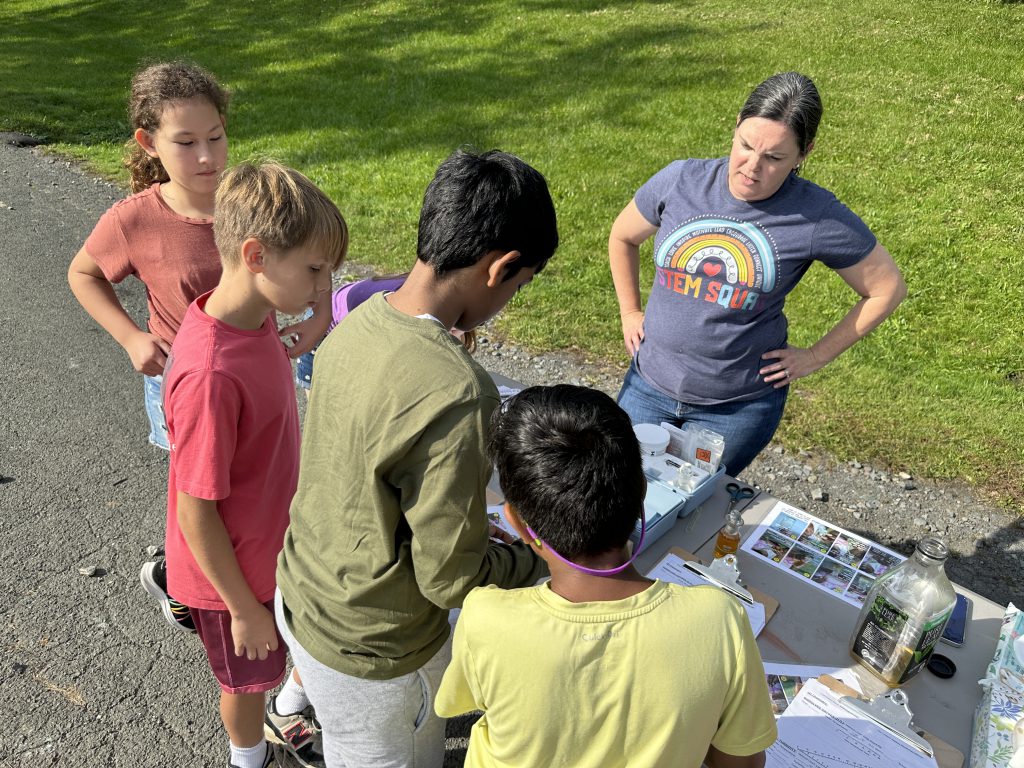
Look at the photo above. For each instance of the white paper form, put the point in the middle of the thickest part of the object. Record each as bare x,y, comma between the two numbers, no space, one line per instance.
844,675
785,681
506,392
671,568
817,731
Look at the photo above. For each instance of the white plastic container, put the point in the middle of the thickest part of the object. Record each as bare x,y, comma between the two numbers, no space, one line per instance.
652,438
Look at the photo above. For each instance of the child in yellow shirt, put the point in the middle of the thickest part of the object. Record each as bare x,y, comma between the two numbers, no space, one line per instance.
599,666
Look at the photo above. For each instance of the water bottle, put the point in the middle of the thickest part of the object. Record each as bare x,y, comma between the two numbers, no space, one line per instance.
904,614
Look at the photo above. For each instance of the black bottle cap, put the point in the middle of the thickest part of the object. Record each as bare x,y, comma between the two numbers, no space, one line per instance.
941,666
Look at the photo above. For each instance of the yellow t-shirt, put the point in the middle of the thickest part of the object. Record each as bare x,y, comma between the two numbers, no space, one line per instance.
651,680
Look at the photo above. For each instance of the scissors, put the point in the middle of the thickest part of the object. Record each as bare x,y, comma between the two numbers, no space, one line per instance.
738,493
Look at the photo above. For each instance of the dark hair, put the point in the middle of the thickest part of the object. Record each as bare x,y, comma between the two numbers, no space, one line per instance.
791,99
569,464
153,88
477,203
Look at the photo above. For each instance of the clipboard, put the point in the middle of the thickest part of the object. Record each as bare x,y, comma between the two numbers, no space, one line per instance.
946,755
771,605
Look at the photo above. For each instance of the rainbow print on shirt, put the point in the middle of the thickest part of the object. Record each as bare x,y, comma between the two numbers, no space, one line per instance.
718,260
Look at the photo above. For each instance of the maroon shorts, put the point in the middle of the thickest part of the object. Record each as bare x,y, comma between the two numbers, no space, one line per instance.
237,674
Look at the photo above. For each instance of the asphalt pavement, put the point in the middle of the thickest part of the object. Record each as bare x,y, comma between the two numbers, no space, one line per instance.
91,675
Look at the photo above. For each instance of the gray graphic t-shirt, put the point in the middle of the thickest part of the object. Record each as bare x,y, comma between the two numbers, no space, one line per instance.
723,268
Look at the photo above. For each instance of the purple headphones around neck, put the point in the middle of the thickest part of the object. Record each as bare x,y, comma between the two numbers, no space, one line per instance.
594,571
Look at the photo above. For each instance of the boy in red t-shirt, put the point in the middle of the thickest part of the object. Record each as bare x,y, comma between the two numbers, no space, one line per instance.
234,434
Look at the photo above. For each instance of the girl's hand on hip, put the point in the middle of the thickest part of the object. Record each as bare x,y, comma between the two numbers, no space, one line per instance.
791,363
148,353
254,632
633,330
302,336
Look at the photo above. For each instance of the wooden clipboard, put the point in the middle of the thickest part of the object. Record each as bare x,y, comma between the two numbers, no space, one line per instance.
771,605
946,755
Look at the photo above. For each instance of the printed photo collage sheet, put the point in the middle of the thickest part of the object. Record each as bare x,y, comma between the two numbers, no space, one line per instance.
833,560
786,680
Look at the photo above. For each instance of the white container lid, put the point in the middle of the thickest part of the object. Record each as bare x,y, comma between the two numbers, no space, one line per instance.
653,439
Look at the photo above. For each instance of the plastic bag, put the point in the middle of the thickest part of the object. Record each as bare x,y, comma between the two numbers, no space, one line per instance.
1000,712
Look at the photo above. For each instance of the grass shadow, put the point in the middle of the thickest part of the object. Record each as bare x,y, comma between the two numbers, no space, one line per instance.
360,81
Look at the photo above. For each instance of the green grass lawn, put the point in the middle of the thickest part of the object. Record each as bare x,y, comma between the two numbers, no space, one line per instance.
922,137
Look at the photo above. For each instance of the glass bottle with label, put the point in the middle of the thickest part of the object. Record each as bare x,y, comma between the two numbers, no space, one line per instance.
904,614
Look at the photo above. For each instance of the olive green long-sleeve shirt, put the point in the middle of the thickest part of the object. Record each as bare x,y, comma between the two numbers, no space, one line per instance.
388,525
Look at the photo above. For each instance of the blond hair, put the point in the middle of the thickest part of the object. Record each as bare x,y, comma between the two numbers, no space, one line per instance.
153,88
279,207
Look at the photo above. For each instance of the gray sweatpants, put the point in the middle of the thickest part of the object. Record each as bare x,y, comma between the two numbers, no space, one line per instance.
373,723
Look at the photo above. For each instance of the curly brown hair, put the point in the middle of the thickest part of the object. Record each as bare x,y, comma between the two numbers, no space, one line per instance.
153,87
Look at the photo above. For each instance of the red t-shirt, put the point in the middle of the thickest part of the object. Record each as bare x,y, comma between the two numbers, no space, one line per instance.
234,432
173,255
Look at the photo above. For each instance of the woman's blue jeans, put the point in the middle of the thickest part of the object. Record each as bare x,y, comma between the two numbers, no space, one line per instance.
746,425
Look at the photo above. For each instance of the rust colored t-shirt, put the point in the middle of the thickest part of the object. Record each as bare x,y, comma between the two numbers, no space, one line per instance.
173,255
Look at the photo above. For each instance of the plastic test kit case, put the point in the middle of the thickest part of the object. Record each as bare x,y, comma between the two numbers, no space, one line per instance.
664,504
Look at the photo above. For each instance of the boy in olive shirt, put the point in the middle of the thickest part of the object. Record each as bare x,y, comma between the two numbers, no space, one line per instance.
388,526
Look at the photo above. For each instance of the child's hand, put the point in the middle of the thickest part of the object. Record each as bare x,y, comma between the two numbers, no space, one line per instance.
254,632
148,353
305,335
494,532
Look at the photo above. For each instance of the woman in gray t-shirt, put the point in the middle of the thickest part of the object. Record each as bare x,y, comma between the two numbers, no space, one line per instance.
734,235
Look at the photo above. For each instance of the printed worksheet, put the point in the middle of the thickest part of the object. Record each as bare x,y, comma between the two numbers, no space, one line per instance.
786,680
834,560
817,731
671,569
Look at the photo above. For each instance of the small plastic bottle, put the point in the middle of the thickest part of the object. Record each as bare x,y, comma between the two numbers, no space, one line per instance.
904,614
728,540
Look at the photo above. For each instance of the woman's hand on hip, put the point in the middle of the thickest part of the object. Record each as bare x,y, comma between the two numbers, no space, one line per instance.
633,330
790,364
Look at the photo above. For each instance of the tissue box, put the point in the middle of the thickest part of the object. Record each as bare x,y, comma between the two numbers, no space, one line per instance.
1002,700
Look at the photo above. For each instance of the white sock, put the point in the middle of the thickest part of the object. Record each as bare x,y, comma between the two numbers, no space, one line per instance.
249,757
291,698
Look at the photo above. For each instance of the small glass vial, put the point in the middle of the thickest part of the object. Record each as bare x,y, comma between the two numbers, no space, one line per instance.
904,614
728,540
688,477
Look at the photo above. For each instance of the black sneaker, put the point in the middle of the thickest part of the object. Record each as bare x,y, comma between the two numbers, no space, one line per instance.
154,579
